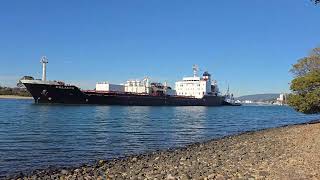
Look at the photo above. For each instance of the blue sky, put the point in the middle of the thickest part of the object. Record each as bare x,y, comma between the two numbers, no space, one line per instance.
249,44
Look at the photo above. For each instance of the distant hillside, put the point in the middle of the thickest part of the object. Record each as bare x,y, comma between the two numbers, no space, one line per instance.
259,97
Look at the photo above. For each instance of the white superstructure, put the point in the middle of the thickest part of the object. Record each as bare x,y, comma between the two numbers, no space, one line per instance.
105,86
196,86
137,86
131,86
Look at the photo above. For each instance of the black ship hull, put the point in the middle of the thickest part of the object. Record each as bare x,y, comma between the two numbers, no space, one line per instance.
65,94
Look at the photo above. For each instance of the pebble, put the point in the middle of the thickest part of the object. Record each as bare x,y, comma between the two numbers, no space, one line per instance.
170,177
64,172
269,154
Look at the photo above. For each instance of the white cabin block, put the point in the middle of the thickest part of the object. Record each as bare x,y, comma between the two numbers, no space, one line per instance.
109,87
194,86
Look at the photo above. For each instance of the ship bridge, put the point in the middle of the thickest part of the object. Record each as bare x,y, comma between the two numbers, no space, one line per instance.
191,79
196,86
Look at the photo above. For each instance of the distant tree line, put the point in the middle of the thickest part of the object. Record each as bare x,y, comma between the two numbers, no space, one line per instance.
305,86
14,91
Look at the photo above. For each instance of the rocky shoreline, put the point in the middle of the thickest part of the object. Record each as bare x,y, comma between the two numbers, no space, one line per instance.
289,152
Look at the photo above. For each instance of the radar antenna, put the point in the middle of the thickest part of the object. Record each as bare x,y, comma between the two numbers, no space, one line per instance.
195,69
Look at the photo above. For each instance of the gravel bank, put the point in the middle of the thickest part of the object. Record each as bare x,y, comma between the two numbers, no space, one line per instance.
290,152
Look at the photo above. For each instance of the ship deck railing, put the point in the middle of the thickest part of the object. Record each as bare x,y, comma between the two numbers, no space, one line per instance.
130,93
113,92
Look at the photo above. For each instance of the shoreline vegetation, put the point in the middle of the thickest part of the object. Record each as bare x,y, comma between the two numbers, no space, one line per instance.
14,93
305,86
288,152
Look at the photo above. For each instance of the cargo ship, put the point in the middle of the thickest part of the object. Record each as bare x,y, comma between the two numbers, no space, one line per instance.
190,91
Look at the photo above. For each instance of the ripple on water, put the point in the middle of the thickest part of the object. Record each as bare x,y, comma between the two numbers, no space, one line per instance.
37,136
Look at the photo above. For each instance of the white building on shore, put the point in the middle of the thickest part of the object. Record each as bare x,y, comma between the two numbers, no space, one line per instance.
281,100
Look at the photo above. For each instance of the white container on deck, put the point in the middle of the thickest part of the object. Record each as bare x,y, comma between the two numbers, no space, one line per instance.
109,87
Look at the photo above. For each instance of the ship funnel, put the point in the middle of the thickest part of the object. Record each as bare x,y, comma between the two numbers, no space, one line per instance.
44,62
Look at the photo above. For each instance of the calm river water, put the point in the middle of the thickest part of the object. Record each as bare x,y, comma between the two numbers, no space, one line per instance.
37,136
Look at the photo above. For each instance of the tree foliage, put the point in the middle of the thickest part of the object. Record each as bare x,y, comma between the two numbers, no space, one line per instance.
315,1
14,91
305,86
307,64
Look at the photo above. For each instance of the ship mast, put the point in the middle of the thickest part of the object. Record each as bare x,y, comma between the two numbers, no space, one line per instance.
44,62
228,93
195,69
